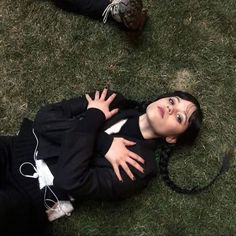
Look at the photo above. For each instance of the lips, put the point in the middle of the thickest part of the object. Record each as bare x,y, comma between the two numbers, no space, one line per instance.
162,112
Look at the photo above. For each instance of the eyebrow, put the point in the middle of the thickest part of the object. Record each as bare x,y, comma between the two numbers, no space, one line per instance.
177,99
188,109
186,118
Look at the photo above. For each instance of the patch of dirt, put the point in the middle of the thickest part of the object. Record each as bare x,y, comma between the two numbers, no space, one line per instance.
184,80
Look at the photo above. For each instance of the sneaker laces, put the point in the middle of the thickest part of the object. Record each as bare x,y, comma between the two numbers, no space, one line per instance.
114,5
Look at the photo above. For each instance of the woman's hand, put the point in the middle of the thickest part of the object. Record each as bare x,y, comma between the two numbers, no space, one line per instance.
119,155
101,103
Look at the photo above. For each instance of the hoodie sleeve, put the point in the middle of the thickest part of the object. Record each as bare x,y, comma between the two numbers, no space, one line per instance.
53,120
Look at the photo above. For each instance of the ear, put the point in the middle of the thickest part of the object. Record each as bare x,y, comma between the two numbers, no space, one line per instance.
171,139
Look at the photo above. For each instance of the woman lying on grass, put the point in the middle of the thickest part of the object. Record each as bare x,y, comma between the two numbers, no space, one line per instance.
98,146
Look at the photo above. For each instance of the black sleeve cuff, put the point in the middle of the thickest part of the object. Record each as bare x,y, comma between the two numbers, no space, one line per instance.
104,142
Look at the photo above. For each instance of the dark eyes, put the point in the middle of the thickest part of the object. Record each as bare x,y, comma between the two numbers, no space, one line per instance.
179,118
171,101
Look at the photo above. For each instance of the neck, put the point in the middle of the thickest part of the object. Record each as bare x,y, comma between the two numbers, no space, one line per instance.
145,128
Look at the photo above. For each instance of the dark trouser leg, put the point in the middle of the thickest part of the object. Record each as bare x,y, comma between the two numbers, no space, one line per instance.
14,205
14,212
92,8
5,142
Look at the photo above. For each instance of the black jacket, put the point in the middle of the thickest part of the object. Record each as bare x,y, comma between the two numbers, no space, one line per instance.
73,143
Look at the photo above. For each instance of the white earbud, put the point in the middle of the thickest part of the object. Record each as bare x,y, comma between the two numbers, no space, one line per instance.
35,175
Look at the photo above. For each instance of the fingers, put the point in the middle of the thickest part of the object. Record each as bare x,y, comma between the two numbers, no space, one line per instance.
104,94
132,154
117,172
114,111
128,142
135,165
127,170
136,157
96,95
88,98
111,98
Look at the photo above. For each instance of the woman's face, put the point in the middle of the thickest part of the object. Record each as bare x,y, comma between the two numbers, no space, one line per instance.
169,117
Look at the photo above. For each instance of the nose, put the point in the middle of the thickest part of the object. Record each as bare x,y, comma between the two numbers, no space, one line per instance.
170,109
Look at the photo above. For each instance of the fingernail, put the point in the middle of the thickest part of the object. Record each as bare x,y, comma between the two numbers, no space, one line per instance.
134,178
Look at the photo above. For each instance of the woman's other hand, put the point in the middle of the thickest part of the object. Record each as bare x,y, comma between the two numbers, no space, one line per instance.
100,102
119,155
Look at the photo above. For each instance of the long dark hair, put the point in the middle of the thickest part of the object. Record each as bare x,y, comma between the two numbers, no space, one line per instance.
186,138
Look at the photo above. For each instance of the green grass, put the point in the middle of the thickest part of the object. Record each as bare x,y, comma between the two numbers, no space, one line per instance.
47,54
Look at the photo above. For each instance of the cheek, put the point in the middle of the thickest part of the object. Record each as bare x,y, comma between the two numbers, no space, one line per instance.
177,129
174,127
152,113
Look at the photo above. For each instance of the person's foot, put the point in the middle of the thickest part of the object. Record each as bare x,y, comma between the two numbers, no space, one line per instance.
129,12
